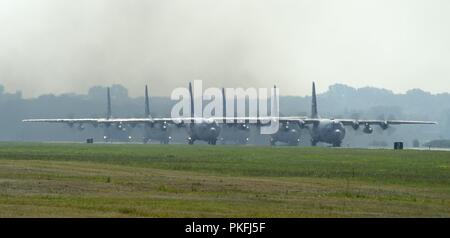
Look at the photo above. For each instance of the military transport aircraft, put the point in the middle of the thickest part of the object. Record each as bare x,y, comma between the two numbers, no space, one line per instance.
237,133
160,131
288,132
331,131
198,128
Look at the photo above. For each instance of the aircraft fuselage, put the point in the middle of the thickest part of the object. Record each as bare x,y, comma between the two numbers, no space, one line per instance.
235,133
204,131
328,131
159,132
286,134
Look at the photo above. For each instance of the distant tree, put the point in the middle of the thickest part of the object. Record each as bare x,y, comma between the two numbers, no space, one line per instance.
447,123
97,93
439,144
119,92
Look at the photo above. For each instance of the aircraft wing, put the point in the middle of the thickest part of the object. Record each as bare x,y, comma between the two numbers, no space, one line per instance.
101,120
228,120
68,121
346,122
350,122
237,120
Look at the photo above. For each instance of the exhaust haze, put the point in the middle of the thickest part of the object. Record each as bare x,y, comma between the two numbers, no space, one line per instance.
57,46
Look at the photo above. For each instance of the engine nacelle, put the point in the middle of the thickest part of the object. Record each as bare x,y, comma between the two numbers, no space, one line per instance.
355,125
368,129
120,127
244,126
180,124
301,124
285,126
164,126
384,125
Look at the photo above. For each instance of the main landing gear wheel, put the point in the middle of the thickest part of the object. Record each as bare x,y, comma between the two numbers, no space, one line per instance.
272,142
337,144
212,142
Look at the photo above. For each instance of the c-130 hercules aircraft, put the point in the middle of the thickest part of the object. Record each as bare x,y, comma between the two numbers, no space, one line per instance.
198,128
330,131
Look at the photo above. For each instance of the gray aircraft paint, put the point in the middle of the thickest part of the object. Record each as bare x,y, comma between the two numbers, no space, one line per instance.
108,129
325,130
237,133
160,132
330,131
288,132
202,130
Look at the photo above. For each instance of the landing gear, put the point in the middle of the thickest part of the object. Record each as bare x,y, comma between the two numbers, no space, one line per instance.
244,141
273,142
212,142
314,142
191,141
337,144
294,143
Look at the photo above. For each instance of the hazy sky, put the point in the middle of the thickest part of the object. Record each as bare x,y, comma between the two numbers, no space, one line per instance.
57,46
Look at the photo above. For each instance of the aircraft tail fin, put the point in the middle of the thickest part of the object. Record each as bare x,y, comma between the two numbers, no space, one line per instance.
109,113
192,101
257,106
147,103
275,101
314,113
224,104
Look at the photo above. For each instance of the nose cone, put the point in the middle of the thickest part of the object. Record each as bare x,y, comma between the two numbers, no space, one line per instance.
338,133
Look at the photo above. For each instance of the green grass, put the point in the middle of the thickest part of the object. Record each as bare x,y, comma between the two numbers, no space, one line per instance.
78,180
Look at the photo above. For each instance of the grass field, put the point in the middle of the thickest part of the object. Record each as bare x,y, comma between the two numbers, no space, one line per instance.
78,180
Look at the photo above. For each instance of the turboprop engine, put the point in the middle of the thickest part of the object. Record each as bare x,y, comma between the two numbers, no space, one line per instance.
368,129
